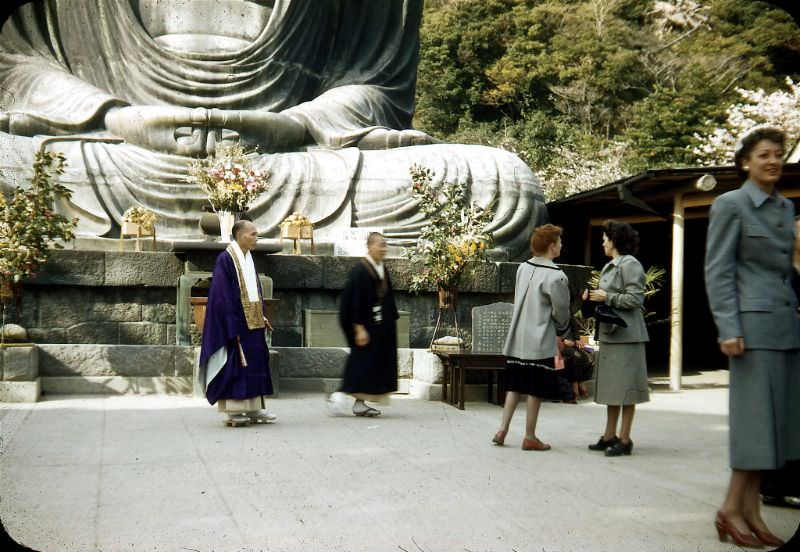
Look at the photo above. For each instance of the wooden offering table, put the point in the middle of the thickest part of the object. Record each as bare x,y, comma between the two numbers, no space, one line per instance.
455,374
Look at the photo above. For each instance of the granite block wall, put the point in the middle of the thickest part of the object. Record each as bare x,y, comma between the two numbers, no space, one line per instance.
129,298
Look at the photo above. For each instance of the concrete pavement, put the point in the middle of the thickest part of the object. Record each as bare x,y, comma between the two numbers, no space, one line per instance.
163,473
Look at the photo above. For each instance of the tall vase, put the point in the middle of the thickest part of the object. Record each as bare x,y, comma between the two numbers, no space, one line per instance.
447,335
226,222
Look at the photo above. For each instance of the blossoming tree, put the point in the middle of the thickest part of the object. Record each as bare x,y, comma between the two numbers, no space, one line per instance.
780,108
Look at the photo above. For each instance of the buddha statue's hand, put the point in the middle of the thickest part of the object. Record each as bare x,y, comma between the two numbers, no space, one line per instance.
383,138
196,132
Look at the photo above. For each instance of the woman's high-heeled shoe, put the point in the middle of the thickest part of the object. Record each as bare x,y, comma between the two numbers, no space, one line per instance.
765,536
726,528
534,444
499,438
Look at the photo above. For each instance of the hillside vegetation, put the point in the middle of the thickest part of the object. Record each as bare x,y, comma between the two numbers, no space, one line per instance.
588,91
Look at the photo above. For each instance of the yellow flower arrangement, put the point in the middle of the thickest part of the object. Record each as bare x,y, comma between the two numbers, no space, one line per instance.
455,236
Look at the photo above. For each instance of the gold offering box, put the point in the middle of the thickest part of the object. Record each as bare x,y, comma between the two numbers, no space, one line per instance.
131,229
294,232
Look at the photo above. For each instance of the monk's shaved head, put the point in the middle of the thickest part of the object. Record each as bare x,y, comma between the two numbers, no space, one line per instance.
374,237
241,226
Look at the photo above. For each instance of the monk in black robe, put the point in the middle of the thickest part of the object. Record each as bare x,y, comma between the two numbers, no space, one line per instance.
368,316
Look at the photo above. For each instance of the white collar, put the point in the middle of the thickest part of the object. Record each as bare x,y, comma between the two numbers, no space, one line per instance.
543,261
378,266
248,270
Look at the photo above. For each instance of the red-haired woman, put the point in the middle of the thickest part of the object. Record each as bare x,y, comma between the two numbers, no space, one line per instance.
541,311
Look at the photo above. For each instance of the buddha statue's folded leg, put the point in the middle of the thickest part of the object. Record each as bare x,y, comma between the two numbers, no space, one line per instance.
107,179
383,191
336,189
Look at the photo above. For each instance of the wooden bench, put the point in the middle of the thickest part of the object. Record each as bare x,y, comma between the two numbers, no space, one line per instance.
456,366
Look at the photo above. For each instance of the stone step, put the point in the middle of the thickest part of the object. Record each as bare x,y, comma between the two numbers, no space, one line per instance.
142,369
169,385
116,385
147,361
65,360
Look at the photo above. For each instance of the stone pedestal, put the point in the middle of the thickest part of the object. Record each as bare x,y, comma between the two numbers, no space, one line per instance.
427,375
19,366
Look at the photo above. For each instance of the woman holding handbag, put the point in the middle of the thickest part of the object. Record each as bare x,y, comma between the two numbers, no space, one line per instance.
621,368
541,311
749,270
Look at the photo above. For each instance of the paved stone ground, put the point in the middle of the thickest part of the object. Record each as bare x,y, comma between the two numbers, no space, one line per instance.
163,473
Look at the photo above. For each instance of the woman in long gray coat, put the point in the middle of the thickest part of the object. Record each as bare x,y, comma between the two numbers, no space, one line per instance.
621,370
749,269
541,311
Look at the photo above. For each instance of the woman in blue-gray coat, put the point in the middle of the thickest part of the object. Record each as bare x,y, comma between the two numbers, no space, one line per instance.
748,266
621,371
541,312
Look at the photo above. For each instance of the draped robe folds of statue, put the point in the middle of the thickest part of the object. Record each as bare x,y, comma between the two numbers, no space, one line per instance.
226,336
341,71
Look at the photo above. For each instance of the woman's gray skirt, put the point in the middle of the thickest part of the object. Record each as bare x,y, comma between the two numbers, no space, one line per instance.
621,374
764,409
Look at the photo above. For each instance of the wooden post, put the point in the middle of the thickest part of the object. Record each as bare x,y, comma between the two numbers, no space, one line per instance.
587,245
676,298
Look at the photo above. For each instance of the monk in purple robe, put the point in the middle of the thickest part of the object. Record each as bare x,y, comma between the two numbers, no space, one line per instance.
234,358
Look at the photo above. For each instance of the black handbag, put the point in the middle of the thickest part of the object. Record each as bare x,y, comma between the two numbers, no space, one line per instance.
604,313
579,363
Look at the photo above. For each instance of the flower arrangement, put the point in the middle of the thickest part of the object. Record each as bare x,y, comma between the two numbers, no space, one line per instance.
228,180
141,216
455,235
28,224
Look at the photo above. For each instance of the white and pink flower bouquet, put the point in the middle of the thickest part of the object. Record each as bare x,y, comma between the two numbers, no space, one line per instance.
228,180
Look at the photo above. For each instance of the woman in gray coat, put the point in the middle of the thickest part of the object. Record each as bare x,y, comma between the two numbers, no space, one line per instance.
749,253
541,311
621,371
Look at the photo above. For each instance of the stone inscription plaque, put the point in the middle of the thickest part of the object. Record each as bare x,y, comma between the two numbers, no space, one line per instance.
490,325
352,242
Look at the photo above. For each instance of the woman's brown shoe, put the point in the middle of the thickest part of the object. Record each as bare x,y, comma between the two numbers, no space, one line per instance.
725,528
499,438
765,536
534,444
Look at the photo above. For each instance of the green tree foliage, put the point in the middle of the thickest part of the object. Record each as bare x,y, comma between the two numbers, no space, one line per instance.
539,76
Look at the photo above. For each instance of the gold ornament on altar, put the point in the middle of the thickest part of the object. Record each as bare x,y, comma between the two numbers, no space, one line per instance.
298,227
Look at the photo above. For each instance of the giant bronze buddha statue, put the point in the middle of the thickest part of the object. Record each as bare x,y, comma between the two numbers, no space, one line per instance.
323,88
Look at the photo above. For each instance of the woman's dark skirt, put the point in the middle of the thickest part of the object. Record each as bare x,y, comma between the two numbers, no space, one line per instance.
534,377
